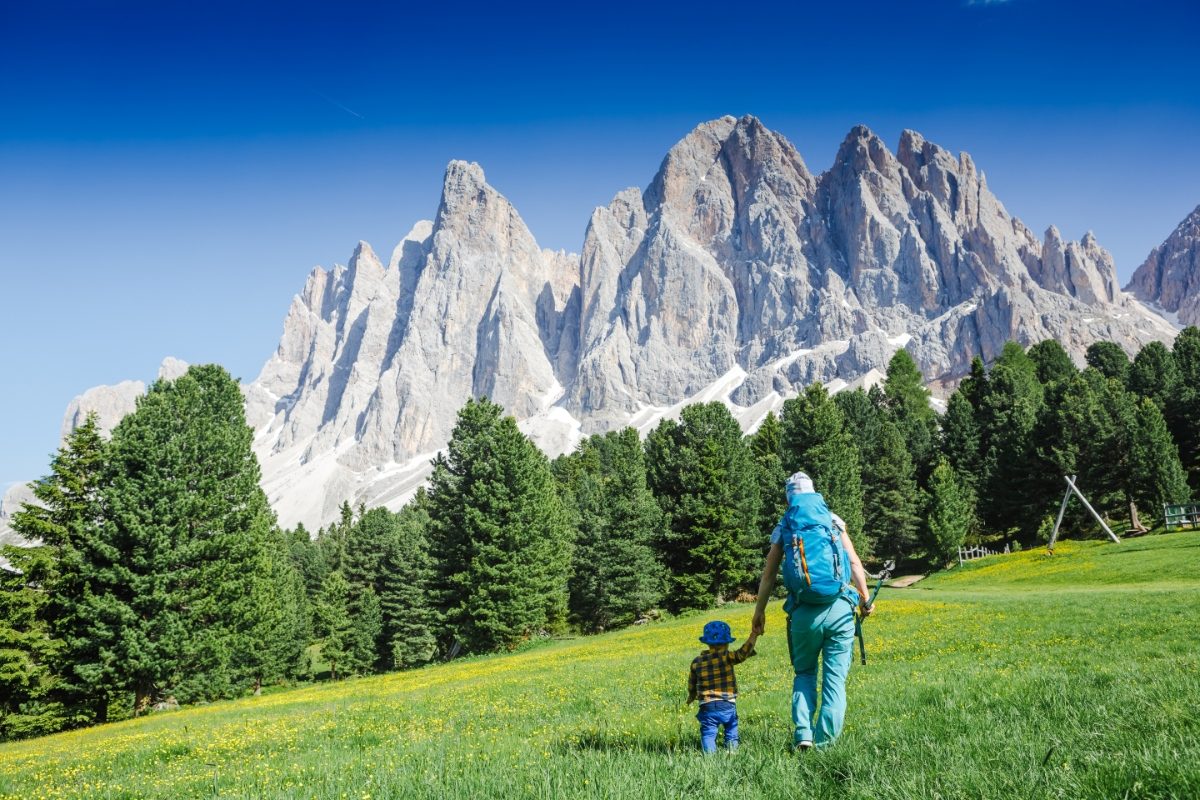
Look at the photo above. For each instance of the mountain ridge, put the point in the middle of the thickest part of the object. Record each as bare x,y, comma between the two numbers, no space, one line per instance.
736,275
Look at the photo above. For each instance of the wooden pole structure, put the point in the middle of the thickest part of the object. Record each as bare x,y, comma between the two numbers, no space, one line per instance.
1088,506
1058,522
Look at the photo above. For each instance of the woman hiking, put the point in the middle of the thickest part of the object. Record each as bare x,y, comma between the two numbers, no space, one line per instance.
825,581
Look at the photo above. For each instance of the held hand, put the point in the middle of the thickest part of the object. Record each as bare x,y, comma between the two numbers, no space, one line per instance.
758,626
866,610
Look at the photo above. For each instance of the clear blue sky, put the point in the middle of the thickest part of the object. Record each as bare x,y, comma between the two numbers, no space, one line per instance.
170,172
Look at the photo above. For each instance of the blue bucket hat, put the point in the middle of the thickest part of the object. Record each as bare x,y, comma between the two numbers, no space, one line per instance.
717,632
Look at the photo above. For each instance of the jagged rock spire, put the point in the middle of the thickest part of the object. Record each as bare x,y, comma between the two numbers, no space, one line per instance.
1170,276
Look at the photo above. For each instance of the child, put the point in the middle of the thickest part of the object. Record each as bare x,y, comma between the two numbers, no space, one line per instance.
711,680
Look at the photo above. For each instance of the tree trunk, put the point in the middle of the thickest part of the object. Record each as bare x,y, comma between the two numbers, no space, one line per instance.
1134,522
141,700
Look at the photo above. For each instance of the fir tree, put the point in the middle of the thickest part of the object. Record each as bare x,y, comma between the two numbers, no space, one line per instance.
309,560
1052,362
498,532
1109,472
974,387
961,439
703,478
334,626
188,540
366,620
1183,407
892,503
332,541
68,519
616,576
27,649
1156,478
766,446
907,400
1008,417
282,619
366,545
1154,374
1069,427
407,616
815,439
861,413
951,512
1109,360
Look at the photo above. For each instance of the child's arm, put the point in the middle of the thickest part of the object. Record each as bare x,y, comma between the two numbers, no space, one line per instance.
691,684
746,650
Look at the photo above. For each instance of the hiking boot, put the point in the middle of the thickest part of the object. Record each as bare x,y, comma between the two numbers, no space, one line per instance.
803,747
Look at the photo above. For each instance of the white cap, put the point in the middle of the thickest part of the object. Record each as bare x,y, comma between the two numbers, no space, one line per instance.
799,483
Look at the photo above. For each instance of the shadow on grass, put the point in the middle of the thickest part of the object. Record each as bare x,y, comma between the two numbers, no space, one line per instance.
601,742
597,741
1143,546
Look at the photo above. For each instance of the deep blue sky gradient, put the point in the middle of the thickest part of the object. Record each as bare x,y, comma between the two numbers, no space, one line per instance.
169,172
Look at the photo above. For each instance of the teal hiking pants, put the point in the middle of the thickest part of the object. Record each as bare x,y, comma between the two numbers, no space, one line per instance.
828,632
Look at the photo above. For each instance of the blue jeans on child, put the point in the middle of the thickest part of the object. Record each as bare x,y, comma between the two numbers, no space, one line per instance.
712,715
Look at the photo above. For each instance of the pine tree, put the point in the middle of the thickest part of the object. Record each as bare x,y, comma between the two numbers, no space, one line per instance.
765,450
407,616
974,387
188,540
961,439
951,512
332,541
1108,469
309,560
616,576
1183,409
907,400
815,439
498,532
1157,477
1067,427
366,545
334,626
1008,416
1109,360
703,478
68,519
1154,374
366,619
27,649
1052,362
861,412
892,503
282,619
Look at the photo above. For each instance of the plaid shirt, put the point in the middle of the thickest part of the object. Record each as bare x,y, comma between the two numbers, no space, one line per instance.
711,676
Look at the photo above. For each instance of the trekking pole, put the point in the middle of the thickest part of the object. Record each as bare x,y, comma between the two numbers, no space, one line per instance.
884,574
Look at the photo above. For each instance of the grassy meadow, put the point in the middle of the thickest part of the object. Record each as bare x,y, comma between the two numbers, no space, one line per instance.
1015,676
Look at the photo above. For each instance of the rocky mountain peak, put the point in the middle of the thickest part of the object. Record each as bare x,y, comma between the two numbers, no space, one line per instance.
1170,275
736,275
1083,269
862,152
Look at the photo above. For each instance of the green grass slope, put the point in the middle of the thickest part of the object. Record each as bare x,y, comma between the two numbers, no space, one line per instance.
1015,676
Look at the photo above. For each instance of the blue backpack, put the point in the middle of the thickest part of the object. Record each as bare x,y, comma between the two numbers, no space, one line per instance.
816,567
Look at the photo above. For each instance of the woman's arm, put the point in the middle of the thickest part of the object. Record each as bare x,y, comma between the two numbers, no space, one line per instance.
765,585
858,575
